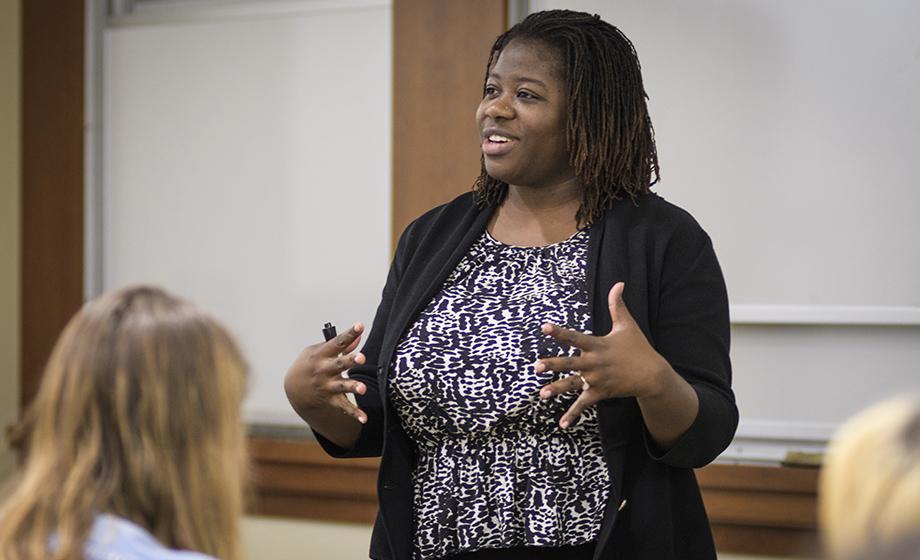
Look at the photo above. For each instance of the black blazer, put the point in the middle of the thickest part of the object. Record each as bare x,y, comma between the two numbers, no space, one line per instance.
675,292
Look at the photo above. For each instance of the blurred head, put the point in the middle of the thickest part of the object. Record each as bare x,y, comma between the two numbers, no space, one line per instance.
907,548
138,415
606,135
870,484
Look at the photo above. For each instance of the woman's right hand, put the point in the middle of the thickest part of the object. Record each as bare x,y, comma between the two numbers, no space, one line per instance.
314,384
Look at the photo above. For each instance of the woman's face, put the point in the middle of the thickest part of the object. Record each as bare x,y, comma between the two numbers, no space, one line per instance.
522,117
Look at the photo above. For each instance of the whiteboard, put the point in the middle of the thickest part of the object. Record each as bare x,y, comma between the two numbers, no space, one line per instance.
247,167
790,130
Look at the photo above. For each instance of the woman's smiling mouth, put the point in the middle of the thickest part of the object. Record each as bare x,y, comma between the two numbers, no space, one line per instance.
497,144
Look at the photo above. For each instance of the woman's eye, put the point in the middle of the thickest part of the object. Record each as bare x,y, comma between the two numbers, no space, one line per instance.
526,95
489,91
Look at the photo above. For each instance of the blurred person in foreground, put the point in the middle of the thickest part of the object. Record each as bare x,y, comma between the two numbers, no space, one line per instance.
136,446
870,484
902,549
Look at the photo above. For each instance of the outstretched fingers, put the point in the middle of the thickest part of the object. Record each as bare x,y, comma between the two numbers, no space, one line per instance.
345,342
341,389
560,364
342,403
344,385
333,367
567,384
569,337
585,400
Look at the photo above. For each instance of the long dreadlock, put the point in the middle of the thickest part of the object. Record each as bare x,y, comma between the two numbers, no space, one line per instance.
609,132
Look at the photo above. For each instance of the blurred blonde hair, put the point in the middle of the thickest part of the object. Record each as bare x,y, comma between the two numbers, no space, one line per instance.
138,415
870,484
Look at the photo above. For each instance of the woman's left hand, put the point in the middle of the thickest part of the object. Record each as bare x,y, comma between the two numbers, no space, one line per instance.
620,364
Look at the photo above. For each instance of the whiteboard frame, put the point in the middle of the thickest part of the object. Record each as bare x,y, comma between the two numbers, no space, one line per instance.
859,315
769,441
133,12
92,149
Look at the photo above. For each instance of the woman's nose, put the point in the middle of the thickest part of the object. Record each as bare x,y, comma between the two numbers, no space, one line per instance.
498,108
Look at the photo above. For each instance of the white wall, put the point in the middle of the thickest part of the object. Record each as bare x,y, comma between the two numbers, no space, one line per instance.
247,167
9,223
789,130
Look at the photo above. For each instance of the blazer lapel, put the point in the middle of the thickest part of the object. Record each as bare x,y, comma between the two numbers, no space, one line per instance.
432,264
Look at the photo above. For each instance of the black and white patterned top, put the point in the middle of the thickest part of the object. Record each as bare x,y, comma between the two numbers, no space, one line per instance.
494,469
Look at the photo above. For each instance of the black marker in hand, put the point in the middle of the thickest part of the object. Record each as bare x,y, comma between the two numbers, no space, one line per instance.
329,331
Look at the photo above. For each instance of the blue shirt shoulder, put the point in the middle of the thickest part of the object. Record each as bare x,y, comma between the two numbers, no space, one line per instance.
114,538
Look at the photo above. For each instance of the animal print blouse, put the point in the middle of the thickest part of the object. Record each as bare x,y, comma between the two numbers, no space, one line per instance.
494,470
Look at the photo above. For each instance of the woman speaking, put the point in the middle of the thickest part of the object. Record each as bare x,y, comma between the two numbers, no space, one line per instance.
549,360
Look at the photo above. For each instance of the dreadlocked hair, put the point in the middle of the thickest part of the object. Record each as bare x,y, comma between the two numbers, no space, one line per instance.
609,133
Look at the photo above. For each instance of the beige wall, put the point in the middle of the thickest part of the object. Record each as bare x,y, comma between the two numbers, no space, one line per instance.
287,539
9,223
282,539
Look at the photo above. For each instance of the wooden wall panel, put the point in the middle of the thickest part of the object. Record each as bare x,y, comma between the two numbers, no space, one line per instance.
52,178
440,48
295,478
762,510
753,510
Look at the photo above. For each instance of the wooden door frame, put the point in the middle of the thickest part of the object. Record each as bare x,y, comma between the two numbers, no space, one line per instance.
52,179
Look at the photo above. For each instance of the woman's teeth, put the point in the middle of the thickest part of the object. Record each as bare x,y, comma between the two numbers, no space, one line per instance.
498,138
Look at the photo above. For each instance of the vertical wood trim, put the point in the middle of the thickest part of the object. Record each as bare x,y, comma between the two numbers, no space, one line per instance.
440,48
52,178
